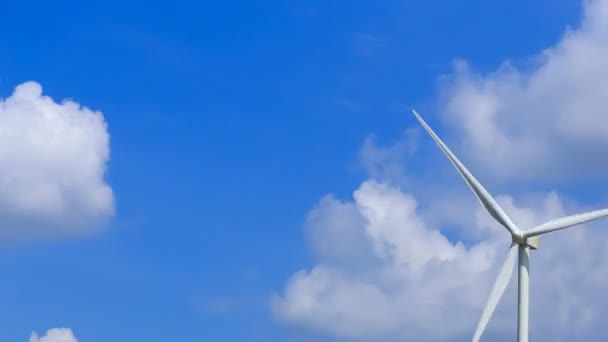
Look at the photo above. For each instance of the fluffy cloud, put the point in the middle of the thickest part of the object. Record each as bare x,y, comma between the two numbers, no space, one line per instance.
543,117
405,265
386,274
53,159
55,335
390,264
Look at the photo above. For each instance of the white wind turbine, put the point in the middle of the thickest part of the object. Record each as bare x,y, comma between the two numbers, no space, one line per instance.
522,242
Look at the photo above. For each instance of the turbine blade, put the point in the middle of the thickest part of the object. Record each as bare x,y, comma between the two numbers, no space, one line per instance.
565,222
497,291
482,194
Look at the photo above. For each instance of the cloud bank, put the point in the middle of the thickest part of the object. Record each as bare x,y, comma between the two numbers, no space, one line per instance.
388,266
53,158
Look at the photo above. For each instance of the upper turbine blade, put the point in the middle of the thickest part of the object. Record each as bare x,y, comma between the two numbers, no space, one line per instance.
499,288
482,194
566,222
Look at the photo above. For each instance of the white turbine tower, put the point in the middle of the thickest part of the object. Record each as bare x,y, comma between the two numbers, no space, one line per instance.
522,242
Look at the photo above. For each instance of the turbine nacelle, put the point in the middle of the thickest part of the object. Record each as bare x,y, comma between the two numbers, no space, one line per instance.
532,242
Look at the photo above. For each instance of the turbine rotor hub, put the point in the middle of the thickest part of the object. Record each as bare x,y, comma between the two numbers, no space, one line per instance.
521,239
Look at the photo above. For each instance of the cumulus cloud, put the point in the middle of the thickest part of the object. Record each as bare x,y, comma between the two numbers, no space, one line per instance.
55,335
53,157
406,265
548,116
386,274
388,266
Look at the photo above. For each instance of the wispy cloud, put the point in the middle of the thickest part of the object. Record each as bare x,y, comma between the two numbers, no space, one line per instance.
163,51
370,45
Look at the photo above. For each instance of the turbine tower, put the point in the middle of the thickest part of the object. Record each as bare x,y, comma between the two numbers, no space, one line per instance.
522,242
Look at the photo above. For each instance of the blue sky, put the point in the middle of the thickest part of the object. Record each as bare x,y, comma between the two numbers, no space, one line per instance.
228,122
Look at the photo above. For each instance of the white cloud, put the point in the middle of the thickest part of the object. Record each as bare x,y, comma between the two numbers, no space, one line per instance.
407,265
53,159
55,335
392,276
534,123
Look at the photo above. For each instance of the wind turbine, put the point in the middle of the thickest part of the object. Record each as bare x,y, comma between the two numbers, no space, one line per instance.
522,242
